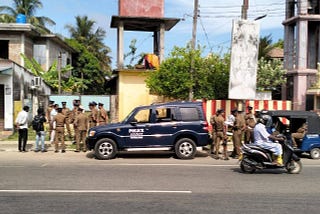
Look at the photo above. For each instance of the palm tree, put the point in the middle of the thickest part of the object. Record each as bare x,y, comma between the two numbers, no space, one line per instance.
265,46
84,33
27,8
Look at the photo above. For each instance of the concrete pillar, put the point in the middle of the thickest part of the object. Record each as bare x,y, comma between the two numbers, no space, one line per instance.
302,7
302,44
156,36
299,93
312,45
120,41
161,43
289,47
318,54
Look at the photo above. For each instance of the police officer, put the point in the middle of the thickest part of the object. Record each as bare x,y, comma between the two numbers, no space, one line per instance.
237,132
48,116
102,115
250,123
219,133
66,112
81,122
73,115
93,116
212,122
59,121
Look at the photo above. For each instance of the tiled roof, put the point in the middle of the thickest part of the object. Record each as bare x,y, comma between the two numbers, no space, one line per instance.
275,53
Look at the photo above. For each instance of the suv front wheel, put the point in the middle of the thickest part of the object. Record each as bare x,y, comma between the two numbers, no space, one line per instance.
105,149
185,148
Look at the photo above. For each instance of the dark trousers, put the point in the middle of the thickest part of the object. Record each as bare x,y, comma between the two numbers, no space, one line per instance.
23,137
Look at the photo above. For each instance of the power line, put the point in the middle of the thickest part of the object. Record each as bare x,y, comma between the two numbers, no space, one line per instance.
206,35
239,6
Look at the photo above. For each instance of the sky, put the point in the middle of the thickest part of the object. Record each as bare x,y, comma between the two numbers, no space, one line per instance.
213,26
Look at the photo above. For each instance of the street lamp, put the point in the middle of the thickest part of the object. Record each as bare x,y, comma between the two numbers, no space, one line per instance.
260,17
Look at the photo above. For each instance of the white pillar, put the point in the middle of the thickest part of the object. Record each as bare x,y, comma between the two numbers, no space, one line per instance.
120,41
161,43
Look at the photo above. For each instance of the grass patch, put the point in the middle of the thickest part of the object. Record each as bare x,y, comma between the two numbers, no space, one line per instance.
14,137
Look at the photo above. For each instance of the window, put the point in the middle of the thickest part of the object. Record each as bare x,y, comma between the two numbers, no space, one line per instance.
39,53
143,116
165,115
4,49
189,114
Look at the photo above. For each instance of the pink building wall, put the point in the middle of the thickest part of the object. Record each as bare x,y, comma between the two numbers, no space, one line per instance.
141,8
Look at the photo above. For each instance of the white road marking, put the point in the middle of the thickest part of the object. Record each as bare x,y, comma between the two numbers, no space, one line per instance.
96,191
11,166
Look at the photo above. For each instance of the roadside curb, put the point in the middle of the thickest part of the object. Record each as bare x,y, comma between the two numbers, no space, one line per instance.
12,146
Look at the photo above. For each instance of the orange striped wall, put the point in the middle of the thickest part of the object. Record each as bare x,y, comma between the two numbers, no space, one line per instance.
211,106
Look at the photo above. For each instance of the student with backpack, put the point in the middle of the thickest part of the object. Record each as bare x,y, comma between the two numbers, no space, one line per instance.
37,125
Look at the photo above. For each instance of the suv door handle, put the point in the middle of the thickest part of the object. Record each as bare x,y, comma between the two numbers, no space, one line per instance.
175,125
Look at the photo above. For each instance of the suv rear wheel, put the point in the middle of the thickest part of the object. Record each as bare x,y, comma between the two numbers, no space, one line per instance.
105,149
185,148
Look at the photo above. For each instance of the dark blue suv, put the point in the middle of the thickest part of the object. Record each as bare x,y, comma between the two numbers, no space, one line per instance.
176,126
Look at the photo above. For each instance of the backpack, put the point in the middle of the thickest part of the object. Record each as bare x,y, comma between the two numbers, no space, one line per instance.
36,123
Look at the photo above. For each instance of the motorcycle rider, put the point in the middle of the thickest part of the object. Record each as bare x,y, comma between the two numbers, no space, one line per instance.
263,139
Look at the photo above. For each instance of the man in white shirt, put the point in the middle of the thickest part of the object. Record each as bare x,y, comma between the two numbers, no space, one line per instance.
262,138
22,126
52,114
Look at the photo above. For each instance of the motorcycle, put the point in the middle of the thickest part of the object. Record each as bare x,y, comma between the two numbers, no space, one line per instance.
254,157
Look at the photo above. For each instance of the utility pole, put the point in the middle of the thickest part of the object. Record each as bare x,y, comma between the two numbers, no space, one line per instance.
244,11
193,44
244,16
59,72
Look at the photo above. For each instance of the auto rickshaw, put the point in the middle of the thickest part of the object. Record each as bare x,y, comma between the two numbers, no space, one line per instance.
291,121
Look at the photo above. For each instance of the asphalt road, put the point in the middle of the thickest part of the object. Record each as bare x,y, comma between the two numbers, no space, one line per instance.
150,183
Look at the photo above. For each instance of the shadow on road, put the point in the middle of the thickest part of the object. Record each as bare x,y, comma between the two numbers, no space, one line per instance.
148,155
260,172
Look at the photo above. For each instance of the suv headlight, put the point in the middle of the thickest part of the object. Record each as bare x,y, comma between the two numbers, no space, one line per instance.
92,133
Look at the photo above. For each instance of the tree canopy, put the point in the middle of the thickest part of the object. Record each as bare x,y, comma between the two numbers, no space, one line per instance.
50,77
174,79
93,61
210,78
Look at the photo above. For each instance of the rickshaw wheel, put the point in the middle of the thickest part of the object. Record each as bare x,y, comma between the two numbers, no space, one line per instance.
315,153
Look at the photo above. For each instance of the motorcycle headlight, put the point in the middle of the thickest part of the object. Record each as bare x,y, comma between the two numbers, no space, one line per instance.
92,133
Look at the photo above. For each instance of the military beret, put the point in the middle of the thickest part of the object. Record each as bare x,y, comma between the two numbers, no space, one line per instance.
234,110
100,104
219,111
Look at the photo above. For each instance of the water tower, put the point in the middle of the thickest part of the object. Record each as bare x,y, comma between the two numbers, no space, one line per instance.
142,15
